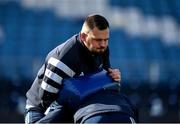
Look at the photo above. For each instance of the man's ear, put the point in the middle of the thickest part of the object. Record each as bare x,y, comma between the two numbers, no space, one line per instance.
83,36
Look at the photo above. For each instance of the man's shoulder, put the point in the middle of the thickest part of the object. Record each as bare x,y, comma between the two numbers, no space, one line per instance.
63,48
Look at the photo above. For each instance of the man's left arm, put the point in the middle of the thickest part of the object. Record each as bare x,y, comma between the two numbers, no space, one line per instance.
114,73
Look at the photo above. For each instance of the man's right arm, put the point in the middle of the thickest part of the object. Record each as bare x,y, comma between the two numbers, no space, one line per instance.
55,71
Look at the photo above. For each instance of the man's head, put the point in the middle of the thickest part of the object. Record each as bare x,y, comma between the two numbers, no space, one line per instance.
95,33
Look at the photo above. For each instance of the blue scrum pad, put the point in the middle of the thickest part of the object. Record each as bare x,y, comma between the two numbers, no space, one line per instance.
76,89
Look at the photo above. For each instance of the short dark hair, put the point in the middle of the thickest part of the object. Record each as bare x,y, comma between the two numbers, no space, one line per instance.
97,21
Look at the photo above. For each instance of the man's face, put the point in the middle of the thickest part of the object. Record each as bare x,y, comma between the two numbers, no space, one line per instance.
97,40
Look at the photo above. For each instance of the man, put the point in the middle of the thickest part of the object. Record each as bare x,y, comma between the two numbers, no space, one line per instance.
82,54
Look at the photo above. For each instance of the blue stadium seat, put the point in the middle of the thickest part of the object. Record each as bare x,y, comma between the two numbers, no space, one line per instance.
118,44
138,59
154,48
173,60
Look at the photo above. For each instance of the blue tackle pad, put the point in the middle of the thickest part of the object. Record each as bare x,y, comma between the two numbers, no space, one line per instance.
76,89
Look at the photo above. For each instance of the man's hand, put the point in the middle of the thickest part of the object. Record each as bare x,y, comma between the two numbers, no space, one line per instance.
115,74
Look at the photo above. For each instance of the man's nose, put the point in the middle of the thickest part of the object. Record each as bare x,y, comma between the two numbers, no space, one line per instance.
103,43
